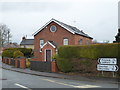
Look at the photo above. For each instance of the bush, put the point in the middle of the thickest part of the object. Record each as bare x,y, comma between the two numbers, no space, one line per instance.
26,51
7,53
64,64
89,51
28,62
84,58
18,54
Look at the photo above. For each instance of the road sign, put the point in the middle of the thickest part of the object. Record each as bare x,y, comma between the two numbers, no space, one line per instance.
107,61
107,67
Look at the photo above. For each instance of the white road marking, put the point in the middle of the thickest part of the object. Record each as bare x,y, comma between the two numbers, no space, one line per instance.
82,86
87,86
21,85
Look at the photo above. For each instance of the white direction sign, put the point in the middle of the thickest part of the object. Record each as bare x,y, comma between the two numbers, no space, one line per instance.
107,61
107,67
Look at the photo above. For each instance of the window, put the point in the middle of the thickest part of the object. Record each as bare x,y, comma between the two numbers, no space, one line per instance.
87,42
53,28
41,42
80,41
65,41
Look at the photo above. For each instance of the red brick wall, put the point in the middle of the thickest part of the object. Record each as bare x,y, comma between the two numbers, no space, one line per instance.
47,47
78,37
57,37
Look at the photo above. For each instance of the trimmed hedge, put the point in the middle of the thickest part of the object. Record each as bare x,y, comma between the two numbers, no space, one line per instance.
18,54
83,58
26,51
89,51
7,53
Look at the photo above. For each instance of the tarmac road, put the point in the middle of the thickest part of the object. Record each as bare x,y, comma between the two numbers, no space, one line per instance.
11,79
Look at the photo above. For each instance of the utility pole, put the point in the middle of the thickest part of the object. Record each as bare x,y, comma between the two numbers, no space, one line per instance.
8,36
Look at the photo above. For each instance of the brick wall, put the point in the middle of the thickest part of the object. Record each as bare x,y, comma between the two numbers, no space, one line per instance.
57,37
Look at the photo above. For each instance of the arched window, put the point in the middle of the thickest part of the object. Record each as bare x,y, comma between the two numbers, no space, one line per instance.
65,41
41,42
87,42
81,41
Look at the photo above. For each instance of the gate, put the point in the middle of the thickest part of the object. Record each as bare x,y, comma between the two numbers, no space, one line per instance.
41,66
12,62
18,63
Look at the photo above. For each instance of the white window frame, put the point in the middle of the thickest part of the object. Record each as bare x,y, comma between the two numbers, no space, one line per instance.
54,27
81,41
87,42
65,41
41,41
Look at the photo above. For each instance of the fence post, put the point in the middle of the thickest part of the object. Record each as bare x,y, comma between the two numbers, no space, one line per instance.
54,67
9,61
16,62
23,62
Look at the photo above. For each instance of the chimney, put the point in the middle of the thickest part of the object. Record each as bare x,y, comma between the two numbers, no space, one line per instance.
23,38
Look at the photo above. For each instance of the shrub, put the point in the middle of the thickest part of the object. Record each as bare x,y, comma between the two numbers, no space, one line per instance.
18,54
84,58
63,64
26,51
89,51
28,62
7,53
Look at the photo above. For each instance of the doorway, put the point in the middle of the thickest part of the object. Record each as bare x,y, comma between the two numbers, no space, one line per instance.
48,55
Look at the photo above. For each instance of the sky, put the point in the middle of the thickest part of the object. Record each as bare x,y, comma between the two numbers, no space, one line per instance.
97,18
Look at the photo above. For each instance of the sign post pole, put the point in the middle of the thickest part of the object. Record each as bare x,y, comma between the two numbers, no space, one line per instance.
107,64
102,73
113,74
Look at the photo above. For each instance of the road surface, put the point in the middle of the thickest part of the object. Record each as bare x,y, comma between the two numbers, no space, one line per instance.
11,79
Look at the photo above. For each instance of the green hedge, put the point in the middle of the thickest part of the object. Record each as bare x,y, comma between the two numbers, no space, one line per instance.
18,54
26,51
73,58
89,51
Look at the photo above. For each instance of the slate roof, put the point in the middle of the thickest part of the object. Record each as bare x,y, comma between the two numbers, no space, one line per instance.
11,45
73,29
70,28
27,42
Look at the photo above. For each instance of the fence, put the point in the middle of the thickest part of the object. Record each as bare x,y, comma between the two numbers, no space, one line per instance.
40,66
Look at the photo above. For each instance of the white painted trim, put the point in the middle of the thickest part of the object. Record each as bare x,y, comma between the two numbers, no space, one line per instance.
49,23
45,54
50,44
43,45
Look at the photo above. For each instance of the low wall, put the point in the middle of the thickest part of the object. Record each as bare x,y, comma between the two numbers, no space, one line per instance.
40,66
17,62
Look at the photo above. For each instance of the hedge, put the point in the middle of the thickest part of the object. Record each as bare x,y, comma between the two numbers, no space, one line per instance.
26,51
18,54
84,58
89,51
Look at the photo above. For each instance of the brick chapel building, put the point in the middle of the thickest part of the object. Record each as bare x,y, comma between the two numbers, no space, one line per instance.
55,34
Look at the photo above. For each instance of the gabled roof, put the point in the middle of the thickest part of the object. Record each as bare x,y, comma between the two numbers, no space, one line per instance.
71,29
51,43
27,42
11,45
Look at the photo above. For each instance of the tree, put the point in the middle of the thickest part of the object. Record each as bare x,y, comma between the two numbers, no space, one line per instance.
5,34
117,37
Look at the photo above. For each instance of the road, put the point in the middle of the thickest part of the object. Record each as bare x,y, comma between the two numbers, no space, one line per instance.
11,79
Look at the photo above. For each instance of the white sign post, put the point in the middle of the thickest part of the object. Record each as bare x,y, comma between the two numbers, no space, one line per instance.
107,64
107,67
107,61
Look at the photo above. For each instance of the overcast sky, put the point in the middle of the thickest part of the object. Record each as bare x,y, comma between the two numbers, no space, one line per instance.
97,18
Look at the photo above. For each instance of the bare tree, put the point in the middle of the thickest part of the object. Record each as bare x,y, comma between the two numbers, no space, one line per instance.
5,34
